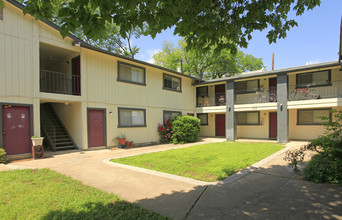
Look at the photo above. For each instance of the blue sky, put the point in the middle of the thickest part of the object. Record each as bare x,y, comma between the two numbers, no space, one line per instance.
316,39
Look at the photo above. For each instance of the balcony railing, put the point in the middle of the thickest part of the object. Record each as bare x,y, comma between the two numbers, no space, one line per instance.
332,89
264,95
204,101
62,83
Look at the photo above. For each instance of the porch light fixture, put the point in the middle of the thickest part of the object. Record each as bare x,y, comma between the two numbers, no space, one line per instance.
110,113
77,44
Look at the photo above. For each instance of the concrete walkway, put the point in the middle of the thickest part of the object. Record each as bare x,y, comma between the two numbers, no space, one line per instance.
267,190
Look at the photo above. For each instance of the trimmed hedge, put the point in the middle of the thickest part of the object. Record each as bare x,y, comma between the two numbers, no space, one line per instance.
3,156
185,129
321,169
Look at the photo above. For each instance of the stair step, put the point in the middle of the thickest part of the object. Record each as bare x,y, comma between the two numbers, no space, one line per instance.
69,147
63,143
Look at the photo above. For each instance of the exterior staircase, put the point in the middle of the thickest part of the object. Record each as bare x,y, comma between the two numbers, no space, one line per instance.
56,135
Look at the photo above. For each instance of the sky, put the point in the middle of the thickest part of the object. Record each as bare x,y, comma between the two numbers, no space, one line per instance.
315,40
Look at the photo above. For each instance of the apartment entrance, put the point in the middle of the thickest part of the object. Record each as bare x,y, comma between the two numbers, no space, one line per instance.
220,125
273,125
96,127
16,129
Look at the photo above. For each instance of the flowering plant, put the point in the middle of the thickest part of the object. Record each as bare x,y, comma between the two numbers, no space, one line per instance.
165,131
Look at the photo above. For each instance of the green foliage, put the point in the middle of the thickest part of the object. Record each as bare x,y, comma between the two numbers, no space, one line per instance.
210,65
3,158
165,131
206,162
294,157
203,24
45,194
324,170
185,129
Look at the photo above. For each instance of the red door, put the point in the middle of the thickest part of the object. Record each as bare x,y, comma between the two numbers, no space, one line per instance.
220,125
76,76
220,95
273,125
16,129
96,128
272,83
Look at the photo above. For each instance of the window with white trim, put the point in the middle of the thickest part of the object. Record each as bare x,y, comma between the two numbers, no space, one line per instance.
312,116
131,74
248,118
132,117
321,78
172,83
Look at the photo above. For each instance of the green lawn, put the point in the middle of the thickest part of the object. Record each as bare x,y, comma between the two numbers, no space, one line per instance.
45,194
207,162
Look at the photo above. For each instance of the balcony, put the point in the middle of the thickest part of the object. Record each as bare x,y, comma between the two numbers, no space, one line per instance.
61,83
206,101
332,89
263,95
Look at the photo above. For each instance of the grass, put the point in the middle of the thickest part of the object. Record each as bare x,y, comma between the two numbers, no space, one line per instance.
45,194
207,162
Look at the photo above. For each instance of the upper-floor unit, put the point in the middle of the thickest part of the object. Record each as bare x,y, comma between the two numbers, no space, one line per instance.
316,84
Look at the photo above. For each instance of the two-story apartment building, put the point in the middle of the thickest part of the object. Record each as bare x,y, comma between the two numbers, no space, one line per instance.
79,96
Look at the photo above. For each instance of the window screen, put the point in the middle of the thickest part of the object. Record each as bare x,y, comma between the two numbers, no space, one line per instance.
247,118
314,79
203,118
312,117
131,117
128,73
172,82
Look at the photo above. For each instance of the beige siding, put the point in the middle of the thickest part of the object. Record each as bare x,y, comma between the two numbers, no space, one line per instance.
209,130
303,132
255,131
71,117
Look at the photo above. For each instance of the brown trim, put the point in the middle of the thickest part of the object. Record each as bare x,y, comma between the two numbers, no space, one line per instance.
168,111
314,109
258,124
104,124
207,118
321,85
133,109
131,65
174,90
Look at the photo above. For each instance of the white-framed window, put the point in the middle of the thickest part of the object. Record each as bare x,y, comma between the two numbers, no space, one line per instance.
170,114
131,74
247,86
312,116
248,118
1,14
172,83
132,117
321,78
203,117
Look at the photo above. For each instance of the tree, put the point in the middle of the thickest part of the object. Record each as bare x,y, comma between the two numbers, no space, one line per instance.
210,65
220,23
112,40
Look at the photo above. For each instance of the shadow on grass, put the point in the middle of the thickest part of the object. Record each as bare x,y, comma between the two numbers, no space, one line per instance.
275,192
117,210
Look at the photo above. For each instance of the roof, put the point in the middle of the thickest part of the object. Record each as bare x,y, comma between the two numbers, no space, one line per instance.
273,72
91,47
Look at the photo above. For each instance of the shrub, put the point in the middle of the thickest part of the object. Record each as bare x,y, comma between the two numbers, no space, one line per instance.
185,129
321,169
165,131
3,156
294,157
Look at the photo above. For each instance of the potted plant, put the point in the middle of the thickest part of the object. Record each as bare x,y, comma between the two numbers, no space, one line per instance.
37,141
129,144
121,138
